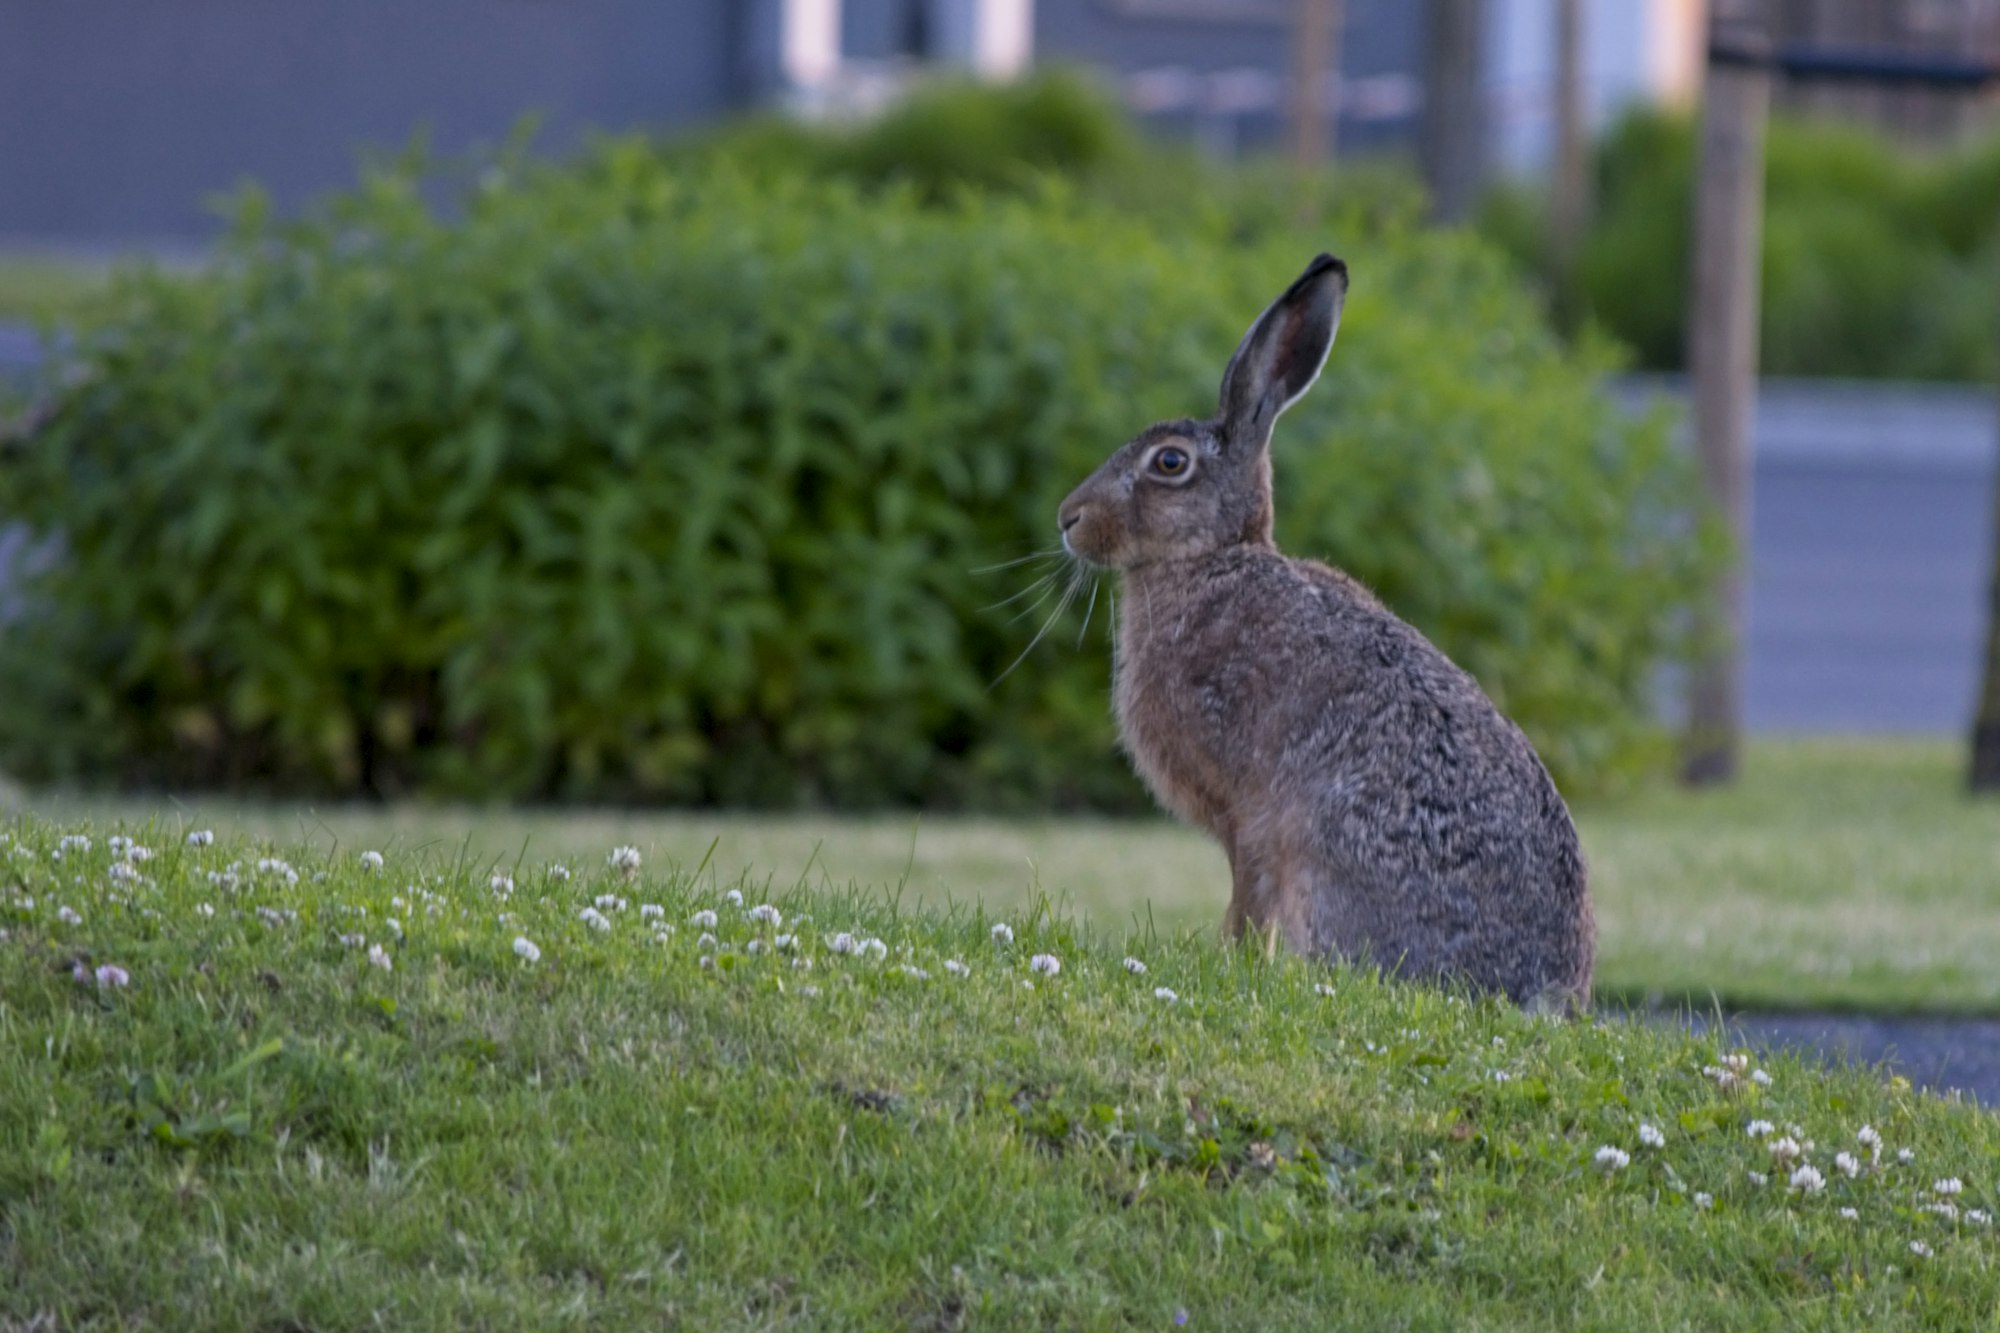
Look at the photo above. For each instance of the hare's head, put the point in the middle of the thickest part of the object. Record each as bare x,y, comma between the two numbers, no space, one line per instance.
1185,488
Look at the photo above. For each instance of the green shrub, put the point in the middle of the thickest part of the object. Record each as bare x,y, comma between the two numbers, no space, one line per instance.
1875,264
956,135
947,136
636,480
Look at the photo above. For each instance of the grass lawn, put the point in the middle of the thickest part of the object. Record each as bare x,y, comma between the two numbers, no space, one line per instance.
1839,874
33,286
233,1095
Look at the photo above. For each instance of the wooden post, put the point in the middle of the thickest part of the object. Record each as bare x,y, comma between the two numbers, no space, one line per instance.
1722,360
1452,136
1984,774
1569,209
1315,68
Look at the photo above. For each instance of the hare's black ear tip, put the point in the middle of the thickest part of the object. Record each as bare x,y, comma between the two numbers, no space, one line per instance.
1325,263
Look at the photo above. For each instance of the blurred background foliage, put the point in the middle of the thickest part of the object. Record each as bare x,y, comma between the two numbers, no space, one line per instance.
662,473
1878,262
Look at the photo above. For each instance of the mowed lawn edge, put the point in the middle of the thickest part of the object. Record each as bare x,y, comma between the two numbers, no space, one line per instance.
244,1088
1839,874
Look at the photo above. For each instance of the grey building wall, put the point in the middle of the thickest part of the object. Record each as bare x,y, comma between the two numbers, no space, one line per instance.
1382,43
119,117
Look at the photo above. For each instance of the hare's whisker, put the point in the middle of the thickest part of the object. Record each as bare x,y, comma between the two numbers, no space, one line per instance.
1069,595
1089,611
1009,601
1029,609
1045,554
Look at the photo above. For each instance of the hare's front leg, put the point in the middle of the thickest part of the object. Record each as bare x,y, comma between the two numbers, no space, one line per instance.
1240,889
1269,892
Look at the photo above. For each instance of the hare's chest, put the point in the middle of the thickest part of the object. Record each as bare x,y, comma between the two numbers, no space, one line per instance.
1176,728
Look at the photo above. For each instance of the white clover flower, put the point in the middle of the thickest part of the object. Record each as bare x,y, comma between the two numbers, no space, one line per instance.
501,883
1163,993
1002,933
137,854
1948,1211
1502,1076
704,919
841,943
648,911
755,946
810,992
595,919
1849,1165
1949,1185
707,962
67,915
705,941
1736,1063
354,941
1045,963
802,964
784,941
610,902
874,948
956,968
1851,1214
1724,1079
204,909
74,842
123,873
765,914
1921,1250
734,897
1322,988
1978,1216
118,844
1868,1138
110,974
1785,1149
379,957
201,837
556,870
1761,1078
527,949
1135,967
1757,1129
1609,1158
1807,1179
1759,1178
625,860
1905,1156
1651,1136
914,973
395,926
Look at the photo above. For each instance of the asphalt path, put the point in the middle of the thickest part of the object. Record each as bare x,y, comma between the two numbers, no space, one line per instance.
1946,1056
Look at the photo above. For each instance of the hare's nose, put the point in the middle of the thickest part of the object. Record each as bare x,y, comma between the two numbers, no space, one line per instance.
1068,515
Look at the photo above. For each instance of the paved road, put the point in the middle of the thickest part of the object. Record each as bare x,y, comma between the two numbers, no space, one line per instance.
1871,512
1941,1055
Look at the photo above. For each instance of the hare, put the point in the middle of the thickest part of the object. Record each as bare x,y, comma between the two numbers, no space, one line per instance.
1372,801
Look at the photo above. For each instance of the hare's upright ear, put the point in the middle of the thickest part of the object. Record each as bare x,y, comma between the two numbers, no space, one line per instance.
1281,356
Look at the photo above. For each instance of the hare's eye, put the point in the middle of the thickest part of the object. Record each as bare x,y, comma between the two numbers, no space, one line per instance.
1171,462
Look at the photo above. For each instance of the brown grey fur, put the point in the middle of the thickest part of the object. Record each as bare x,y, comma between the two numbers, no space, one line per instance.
1372,801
